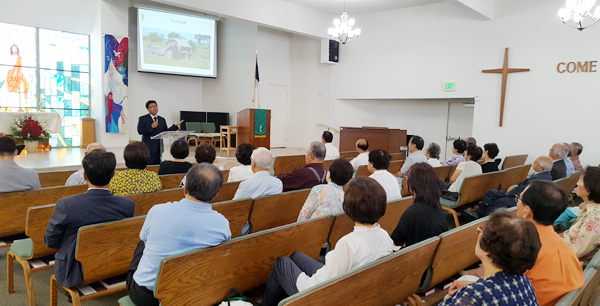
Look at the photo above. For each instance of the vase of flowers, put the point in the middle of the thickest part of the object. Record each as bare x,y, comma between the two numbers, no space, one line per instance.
30,131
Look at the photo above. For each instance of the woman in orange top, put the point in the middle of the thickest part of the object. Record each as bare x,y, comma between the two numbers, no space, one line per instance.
15,77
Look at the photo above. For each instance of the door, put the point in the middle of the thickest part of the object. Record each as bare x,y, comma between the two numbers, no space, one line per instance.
278,102
460,124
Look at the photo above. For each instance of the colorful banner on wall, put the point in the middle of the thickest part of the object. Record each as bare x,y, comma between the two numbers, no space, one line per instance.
116,82
260,123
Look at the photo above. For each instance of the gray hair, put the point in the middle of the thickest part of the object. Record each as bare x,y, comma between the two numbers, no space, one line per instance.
94,146
545,162
561,150
576,148
434,150
317,149
262,158
203,182
471,141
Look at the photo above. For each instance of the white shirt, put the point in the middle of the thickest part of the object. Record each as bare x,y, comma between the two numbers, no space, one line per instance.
240,173
434,162
468,168
76,178
413,158
361,160
389,184
331,152
260,185
358,248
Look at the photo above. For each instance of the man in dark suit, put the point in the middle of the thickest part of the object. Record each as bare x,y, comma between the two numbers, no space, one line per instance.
558,153
151,125
95,206
495,199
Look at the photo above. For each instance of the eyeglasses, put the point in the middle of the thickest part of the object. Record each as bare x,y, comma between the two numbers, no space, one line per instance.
479,230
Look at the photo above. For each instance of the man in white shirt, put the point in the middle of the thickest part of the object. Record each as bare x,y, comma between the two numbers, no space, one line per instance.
362,146
415,147
379,161
77,177
331,152
262,183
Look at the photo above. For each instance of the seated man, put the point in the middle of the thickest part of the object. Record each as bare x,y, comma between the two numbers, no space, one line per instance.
490,151
415,147
178,227
558,153
13,176
77,177
262,183
95,206
556,270
311,174
379,161
495,199
331,151
362,147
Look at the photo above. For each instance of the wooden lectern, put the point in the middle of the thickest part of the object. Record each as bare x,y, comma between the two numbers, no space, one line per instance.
383,138
245,123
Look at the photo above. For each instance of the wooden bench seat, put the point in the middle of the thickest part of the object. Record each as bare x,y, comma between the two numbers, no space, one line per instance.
387,281
277,210
514,176
513,161
104,250
203,277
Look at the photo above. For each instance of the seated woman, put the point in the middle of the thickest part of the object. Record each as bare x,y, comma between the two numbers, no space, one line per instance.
433,154
468,168
507,248
584,234
328,199
458,148
490,151
243,171
135,179
179,150
364,203
424,218
205,153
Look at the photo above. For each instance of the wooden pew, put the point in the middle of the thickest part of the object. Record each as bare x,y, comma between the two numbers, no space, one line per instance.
398,156
343,225
443,172
285,164
145,201
405,191
472,190
277,210
26,250
455,253
327,163
227,192
513,161
583,295
203,277
153,168
104,251
236,212
387,281
348,154
14,214
171,181
362,171
51,179
514,176
569,183
395,166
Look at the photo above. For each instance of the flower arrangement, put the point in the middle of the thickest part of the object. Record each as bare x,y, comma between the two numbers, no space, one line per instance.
28,128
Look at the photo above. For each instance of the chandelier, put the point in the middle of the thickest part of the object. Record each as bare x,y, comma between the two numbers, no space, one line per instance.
578,14
343,30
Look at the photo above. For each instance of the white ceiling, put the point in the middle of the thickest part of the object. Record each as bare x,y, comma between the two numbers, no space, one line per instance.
355,7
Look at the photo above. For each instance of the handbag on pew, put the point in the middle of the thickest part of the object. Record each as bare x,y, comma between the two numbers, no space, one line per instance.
235,297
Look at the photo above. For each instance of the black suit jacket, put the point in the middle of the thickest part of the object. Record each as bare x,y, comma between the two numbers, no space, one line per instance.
94,206
559,170
145,129
542,176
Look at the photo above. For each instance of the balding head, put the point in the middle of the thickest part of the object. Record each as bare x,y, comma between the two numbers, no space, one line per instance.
203,182
362,145
94,146
559,151
542,163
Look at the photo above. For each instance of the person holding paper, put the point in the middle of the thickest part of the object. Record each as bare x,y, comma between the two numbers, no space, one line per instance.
151,125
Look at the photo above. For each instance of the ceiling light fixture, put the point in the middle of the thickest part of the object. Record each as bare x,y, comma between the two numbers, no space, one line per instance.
578,14
343,28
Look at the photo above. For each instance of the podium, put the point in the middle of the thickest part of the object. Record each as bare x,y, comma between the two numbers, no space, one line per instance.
245,123
383,138
168,137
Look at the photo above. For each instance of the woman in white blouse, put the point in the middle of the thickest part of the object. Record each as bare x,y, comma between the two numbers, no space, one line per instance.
364,203
465,169
243,171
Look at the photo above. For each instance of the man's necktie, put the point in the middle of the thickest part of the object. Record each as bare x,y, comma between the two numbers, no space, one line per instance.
155,118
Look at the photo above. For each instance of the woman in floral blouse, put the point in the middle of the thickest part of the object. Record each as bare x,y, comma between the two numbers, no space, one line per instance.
458,148
584,235
135,179
328,199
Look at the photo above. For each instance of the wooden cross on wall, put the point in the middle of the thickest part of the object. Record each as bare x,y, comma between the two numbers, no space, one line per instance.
505,71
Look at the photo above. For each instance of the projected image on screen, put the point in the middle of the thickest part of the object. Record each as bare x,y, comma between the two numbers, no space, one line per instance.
176,44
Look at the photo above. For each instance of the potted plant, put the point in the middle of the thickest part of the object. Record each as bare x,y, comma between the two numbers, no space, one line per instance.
30,131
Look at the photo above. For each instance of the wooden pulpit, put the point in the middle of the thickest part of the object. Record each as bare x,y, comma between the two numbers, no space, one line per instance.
245,123
383,138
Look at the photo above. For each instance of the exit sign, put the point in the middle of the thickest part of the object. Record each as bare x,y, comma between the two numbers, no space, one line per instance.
450,86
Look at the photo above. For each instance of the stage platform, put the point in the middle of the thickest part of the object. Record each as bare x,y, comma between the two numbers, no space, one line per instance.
64,159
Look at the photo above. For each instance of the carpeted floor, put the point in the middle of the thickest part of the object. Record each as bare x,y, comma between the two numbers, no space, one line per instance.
41,283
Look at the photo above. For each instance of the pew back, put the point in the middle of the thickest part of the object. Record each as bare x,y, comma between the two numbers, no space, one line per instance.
443,172
514,176
277,210
227,192
145,201
475,187
203,277
362,171
37,220
51,179
569,183
348,154
171,181
285,164
513,161
395,166
236,212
